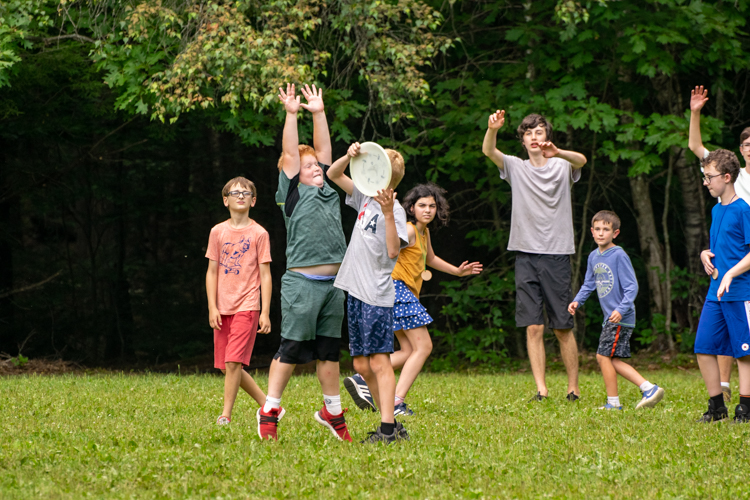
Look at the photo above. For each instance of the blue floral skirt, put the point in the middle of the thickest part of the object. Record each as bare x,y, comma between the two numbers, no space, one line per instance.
408,313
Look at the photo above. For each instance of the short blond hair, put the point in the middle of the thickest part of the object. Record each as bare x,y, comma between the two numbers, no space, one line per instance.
397,167
244,184
304,149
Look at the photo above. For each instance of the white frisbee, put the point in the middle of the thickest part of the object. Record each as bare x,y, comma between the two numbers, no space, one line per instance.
371,169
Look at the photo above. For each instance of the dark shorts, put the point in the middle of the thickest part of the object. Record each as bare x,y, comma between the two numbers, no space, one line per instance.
724,329
543,282
615,341
310,308
296,352
370,328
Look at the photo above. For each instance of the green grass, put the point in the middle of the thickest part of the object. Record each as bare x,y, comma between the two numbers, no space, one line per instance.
153,436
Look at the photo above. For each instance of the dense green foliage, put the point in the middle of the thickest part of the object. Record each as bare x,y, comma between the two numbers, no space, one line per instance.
154,436
120,122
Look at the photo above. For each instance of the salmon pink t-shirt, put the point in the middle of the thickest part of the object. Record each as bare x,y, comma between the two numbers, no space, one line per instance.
239,253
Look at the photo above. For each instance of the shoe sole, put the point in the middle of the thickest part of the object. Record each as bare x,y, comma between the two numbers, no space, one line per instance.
399,413
322,422
653,401
278,419
359,399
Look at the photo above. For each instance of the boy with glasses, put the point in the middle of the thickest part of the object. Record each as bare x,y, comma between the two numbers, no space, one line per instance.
698,98
238,287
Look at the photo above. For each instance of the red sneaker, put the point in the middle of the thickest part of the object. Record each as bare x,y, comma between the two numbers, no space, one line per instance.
268,422
336,423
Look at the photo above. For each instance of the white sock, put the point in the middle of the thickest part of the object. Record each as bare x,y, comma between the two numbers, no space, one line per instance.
615,401
646,386
725,384
333,404
271,403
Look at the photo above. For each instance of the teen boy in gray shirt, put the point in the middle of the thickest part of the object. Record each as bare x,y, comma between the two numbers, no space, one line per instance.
541,232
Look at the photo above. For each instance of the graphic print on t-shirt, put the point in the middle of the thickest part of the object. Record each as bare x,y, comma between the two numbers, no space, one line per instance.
372,224
231,253
605,279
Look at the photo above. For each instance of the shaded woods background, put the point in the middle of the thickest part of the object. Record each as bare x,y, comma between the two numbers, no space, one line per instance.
105,210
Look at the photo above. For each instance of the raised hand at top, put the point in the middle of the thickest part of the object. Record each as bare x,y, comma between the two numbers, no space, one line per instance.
290,100
698,98
497,120
549,150
386,198
314,99
353,150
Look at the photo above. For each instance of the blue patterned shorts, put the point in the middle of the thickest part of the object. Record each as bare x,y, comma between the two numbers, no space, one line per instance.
408,313
370,328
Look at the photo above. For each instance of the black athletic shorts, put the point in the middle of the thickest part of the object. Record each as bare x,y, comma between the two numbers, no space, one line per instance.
543,281
614,341
296,352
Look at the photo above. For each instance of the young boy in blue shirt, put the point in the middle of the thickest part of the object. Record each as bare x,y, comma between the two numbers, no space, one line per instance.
611,274
724,327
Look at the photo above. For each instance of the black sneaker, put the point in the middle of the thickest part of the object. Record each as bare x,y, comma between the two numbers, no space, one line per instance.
360,393
401,432
537,398
377,436
572,397
714,414
741,414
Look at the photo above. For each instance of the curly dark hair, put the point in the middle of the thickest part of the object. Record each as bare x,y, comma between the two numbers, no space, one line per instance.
428,190
724,161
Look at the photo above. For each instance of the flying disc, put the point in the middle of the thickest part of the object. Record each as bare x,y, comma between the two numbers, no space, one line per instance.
715,274
371,169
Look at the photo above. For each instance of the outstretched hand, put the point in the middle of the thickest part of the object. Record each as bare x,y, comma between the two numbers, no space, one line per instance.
289,99
314,98
467,268
698,98
549,150
496,120
353,150
386,198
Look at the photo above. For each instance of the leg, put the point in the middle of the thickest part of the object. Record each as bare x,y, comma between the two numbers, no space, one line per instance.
710,371
537,356
609,374
569,353
399,357
725,367
278,377
362,366
627,372
386,381
249,386
231,386
328,376
743,365
419,338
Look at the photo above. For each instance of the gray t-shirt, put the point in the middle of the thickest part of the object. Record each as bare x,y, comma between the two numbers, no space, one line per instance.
366,270
542,218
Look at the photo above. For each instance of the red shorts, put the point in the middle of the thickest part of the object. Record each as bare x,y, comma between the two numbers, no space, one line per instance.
234,342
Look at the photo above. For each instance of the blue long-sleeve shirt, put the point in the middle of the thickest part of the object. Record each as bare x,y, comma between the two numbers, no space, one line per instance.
611,274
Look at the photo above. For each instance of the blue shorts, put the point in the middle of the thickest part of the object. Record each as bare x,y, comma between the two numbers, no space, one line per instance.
724,329
408,313
370,328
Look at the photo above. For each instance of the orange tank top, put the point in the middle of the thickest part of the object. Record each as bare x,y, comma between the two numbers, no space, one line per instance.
411,262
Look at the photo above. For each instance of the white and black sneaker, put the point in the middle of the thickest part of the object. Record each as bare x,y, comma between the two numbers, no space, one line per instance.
360,393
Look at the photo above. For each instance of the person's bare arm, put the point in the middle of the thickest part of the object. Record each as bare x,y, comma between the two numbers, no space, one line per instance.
489,146
336,172
549,150
290,140
387,198
435,262
412,235
266,285
698,99
321,135
212,283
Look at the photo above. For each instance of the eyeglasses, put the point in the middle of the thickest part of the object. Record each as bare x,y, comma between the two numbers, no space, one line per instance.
745,145
707,178
236,194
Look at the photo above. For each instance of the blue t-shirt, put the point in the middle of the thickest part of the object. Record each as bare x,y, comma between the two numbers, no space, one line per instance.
611,274
730,237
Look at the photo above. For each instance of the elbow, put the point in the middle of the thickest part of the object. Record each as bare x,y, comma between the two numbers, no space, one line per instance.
392,255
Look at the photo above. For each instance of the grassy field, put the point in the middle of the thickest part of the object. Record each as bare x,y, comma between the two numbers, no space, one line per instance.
153,436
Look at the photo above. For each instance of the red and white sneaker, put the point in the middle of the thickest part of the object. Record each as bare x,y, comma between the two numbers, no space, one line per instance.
336,423
222,420
268,422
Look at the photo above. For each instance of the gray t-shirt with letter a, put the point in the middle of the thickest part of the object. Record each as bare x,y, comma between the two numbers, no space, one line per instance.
366,270
541,220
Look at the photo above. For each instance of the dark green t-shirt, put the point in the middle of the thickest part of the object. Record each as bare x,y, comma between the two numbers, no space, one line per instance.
314,235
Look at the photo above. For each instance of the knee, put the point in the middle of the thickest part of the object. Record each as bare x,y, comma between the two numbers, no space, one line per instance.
600,359
362,365
563,335
380,362
535,332
424,347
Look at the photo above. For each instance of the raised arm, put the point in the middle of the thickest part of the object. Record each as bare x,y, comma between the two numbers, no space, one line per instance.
698,99
489,146
336,172
435,262
549,150
290,140
321,135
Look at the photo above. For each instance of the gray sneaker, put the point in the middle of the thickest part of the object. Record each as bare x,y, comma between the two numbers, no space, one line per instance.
651,397
727,394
